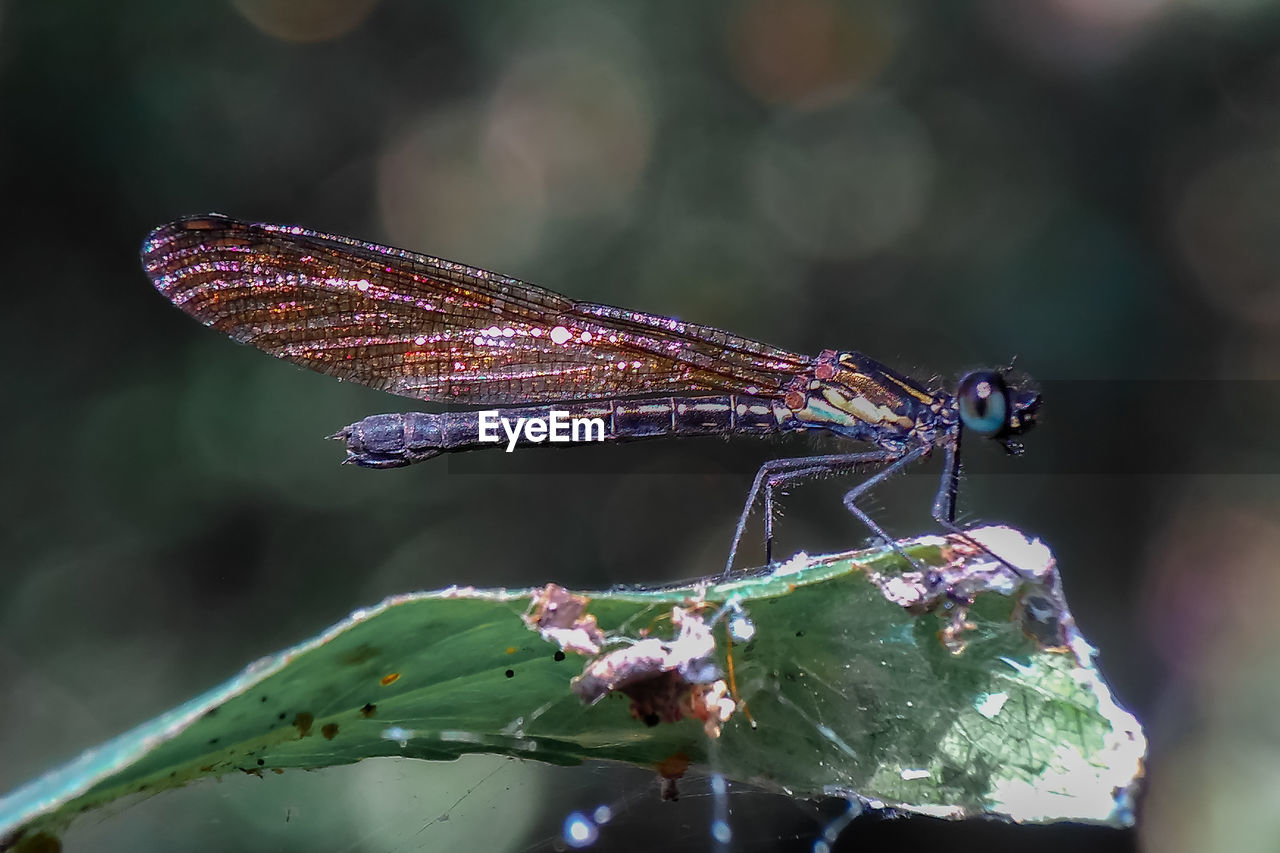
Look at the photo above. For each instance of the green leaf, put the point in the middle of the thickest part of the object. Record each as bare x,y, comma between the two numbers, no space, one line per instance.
961,690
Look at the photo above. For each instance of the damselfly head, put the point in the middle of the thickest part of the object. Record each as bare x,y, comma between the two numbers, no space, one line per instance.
992,407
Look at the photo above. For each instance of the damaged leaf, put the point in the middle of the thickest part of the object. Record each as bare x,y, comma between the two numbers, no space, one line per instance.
954,688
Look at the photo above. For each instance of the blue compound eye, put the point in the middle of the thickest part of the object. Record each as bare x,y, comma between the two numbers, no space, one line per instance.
984,403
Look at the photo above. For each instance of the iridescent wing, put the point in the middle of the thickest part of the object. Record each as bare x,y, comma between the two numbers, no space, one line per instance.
431,329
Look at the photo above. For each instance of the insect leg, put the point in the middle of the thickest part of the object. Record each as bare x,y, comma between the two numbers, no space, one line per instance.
851,497
944,504
777,472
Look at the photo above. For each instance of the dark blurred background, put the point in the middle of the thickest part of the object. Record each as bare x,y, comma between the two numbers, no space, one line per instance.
1088,185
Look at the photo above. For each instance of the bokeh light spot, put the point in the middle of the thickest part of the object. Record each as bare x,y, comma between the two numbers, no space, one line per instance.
435,194
579,831
1226,224
1074,36
845,182
790,51
305,20
569,127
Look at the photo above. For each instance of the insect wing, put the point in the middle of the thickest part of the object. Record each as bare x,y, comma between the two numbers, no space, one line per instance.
432,329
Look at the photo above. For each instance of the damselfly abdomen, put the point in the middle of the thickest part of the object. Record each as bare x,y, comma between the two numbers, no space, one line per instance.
435,330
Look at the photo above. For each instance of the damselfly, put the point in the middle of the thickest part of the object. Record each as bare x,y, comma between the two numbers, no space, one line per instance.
435,330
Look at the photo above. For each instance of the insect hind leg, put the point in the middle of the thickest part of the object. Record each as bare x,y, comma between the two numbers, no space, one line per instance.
851,499
779,472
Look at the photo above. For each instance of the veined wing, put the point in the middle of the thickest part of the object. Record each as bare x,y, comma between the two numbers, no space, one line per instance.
432,329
